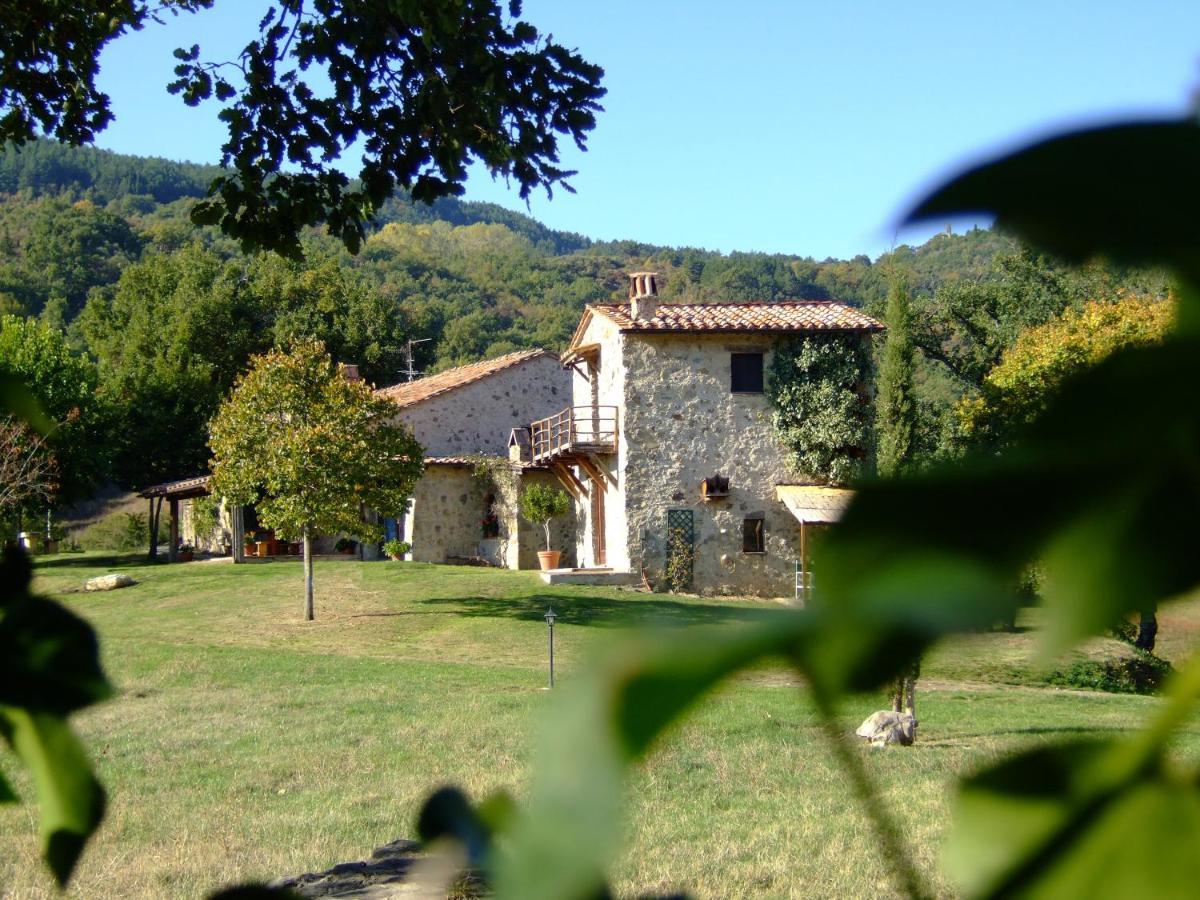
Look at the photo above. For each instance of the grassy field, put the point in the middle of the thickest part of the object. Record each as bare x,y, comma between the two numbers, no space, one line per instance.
247,744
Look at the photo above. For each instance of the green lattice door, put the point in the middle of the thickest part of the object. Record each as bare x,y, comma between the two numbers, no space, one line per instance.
681,543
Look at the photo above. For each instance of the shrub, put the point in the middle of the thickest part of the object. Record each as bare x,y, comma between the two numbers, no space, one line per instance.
1139,673
396,547
116,531
679,561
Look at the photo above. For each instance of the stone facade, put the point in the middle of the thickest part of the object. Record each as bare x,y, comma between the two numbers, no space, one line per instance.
446,517
680,423
477,417
444,520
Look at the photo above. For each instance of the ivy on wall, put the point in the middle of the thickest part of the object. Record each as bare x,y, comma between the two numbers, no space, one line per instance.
822,414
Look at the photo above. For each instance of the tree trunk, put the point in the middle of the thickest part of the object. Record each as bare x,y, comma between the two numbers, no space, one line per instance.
546,525
1147,630
308,574
898,695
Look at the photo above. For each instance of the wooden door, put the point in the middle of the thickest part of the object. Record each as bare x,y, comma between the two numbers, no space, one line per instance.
599,556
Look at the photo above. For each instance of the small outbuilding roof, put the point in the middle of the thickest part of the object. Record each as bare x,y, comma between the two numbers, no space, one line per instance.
813,504
409,392
199,486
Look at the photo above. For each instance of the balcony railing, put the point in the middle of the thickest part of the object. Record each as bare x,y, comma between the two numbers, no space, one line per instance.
575,430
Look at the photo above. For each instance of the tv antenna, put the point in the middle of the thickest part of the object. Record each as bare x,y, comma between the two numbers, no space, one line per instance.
409,371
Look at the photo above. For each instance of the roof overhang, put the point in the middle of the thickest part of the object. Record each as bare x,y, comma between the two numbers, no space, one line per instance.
814,505
186,489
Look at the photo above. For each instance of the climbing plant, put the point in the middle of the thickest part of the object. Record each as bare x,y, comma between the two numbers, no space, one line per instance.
817,387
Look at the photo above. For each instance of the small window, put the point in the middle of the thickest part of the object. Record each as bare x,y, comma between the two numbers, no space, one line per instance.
746,373
754,538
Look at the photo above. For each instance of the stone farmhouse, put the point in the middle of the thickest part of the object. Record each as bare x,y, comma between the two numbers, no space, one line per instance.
460,415
669,431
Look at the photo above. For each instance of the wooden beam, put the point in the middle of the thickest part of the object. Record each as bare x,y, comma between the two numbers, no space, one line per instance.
574,486
592,465
173,547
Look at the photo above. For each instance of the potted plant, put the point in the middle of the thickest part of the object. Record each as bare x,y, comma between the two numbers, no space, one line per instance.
186,552
345,545
396,548
539,504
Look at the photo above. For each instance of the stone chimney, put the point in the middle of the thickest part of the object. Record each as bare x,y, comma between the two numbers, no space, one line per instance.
350,371
643,295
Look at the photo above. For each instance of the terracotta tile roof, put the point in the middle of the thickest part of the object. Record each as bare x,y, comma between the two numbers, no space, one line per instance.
468,462
791,315
409,392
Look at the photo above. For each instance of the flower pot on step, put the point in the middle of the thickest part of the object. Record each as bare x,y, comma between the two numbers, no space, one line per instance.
548,559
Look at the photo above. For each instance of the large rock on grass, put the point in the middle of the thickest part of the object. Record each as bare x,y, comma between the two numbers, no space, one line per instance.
108,582
887,727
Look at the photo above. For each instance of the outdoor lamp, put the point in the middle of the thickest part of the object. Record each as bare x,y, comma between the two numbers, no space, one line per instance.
550,617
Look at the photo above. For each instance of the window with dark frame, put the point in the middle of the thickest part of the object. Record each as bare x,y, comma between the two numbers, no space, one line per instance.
754,538
746,373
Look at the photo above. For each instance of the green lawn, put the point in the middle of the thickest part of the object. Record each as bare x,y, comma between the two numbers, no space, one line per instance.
246,743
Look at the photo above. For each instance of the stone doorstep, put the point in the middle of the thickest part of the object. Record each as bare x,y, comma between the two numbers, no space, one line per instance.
589,576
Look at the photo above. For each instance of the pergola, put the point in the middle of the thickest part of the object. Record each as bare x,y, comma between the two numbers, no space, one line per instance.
811,505
172,492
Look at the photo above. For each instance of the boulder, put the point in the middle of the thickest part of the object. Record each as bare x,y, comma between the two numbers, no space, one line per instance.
108,582
887,727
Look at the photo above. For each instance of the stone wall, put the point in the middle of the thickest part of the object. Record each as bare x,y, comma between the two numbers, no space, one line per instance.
609,390
448,507
681,425
477,417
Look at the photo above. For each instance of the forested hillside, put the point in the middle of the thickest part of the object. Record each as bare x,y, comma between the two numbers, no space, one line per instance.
100,245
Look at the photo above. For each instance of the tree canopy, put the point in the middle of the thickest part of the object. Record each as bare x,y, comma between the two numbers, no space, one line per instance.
1021,386
423,88
310,450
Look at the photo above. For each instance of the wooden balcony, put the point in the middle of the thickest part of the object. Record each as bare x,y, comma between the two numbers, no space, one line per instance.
575,432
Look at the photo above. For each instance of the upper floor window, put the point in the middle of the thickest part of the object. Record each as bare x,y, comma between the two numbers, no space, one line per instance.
746,373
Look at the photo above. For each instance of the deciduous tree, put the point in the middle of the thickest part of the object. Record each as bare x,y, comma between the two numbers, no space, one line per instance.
423,88
310,450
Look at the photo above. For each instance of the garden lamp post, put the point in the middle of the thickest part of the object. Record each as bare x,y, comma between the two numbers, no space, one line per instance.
550,617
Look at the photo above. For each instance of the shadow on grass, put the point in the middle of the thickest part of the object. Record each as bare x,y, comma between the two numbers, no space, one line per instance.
100,561
606,611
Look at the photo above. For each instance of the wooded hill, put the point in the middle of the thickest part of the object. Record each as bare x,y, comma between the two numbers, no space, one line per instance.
100,245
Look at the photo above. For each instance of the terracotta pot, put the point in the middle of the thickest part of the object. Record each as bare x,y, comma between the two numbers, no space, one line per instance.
186,555
249,550
548,559
397,557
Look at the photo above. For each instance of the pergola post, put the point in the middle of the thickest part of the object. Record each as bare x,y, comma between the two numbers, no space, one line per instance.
152,528
173,548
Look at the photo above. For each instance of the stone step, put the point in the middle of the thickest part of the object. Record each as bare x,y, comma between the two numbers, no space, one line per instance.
588,576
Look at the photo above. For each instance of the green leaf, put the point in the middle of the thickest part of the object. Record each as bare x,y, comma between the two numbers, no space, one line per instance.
1126,191
1109,500
70,799
49,659
7,794
563,840
447,813
15,398
1084,819
654,685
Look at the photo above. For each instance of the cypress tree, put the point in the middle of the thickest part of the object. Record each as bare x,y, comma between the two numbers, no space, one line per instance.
895,420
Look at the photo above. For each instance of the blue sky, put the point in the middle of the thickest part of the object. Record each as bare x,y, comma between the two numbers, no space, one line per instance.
792,127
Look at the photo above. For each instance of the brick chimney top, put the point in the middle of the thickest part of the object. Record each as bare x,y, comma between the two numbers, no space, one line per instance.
350,371
643,295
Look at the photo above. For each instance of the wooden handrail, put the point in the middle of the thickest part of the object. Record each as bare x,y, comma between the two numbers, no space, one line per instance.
573,430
